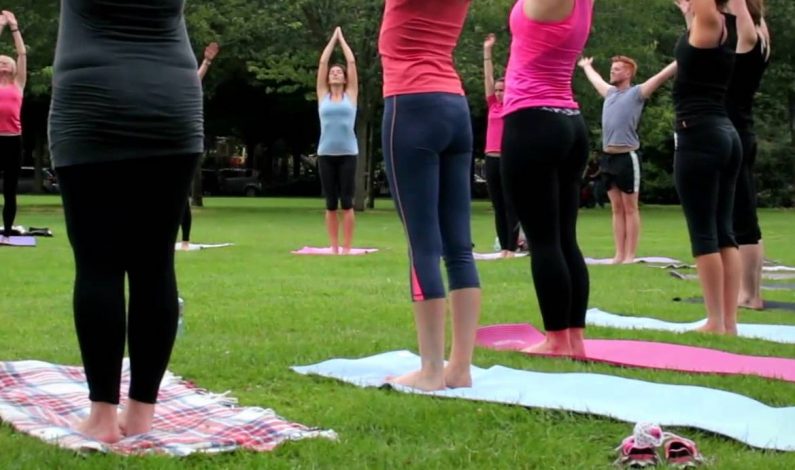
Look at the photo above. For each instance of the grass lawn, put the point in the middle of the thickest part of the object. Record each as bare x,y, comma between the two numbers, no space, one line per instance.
254,310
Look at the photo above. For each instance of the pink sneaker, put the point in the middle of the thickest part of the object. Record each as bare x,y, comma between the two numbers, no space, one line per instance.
681,452
640,449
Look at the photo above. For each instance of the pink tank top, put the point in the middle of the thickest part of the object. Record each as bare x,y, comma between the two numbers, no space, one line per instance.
416,44
543,58
10,109
494,126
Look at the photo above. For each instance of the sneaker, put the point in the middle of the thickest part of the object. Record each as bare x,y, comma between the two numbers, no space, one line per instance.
680,452
632,455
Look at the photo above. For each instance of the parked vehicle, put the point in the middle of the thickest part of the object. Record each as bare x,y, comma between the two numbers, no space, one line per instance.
231,182
27,181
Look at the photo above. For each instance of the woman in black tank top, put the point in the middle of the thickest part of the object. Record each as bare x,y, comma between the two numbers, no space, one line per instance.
708,156
750,67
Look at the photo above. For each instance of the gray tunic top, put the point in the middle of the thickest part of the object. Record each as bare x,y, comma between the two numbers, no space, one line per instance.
125,83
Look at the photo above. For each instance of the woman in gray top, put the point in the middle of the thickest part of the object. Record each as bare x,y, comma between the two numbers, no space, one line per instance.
126,133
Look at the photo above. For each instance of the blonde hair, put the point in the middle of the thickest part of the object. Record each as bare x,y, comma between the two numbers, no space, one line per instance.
627,60
13,64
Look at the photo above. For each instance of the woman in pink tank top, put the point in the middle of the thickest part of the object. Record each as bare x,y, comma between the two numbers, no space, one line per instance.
505,220
544,152
13,74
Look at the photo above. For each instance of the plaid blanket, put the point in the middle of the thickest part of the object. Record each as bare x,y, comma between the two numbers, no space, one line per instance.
47,400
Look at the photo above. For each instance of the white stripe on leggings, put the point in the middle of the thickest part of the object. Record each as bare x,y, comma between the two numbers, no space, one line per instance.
635,171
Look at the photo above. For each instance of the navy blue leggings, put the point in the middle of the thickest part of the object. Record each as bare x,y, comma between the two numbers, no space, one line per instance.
427,142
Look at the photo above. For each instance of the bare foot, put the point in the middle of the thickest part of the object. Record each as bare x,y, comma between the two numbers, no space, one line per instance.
577,342
730,330
508,254
184,246
752,304
628,260
618,260
419,380
136,418
457,377
102,423
346,250
335,250
549,347
711,328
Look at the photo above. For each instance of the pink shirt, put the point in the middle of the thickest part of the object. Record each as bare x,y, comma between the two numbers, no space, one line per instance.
10,109
543,58
494,126
416,45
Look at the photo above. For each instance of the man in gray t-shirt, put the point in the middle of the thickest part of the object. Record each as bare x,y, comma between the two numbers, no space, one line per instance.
620,164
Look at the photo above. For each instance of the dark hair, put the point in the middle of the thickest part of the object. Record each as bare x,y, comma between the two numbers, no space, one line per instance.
344,69
501,79
721,3
757,9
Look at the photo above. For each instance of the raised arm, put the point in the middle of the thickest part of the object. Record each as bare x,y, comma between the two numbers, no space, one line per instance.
488,64
687,11
22,53
707,26
209,55
586,63
352,88
3,23
322,68
651,85
746,29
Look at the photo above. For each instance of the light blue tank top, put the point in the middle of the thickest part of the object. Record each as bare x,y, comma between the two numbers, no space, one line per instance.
337,121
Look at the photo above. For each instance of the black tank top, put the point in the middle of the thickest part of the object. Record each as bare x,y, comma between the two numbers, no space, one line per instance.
748,71
702,78
125,83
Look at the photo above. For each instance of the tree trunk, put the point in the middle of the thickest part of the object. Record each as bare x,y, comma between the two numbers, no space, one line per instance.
373,192
198,194
38,164
362,162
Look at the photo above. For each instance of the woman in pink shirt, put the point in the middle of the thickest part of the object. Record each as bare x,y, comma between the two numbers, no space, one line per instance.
544,152
504,217
427,142
13,75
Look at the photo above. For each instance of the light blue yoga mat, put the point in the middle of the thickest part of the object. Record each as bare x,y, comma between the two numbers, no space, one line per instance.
725,413
774,333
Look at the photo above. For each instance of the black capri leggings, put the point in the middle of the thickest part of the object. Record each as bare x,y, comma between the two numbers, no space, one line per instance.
706,163
746,221
338,179
110,195
544,153
505,220
10,161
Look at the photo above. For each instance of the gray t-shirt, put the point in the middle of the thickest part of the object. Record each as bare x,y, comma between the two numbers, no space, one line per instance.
125,83
620,117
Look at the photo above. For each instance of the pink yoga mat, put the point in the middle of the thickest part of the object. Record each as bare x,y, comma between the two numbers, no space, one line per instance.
19,241
646,354
311,250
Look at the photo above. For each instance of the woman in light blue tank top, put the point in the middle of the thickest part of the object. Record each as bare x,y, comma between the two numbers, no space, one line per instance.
337,91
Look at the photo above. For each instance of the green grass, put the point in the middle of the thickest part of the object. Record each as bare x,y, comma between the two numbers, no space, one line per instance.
254,310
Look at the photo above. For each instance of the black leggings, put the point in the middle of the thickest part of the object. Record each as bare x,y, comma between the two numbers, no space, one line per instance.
338,178
543,157
706,163
746,221
505,220
10,161
187,221
110,195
